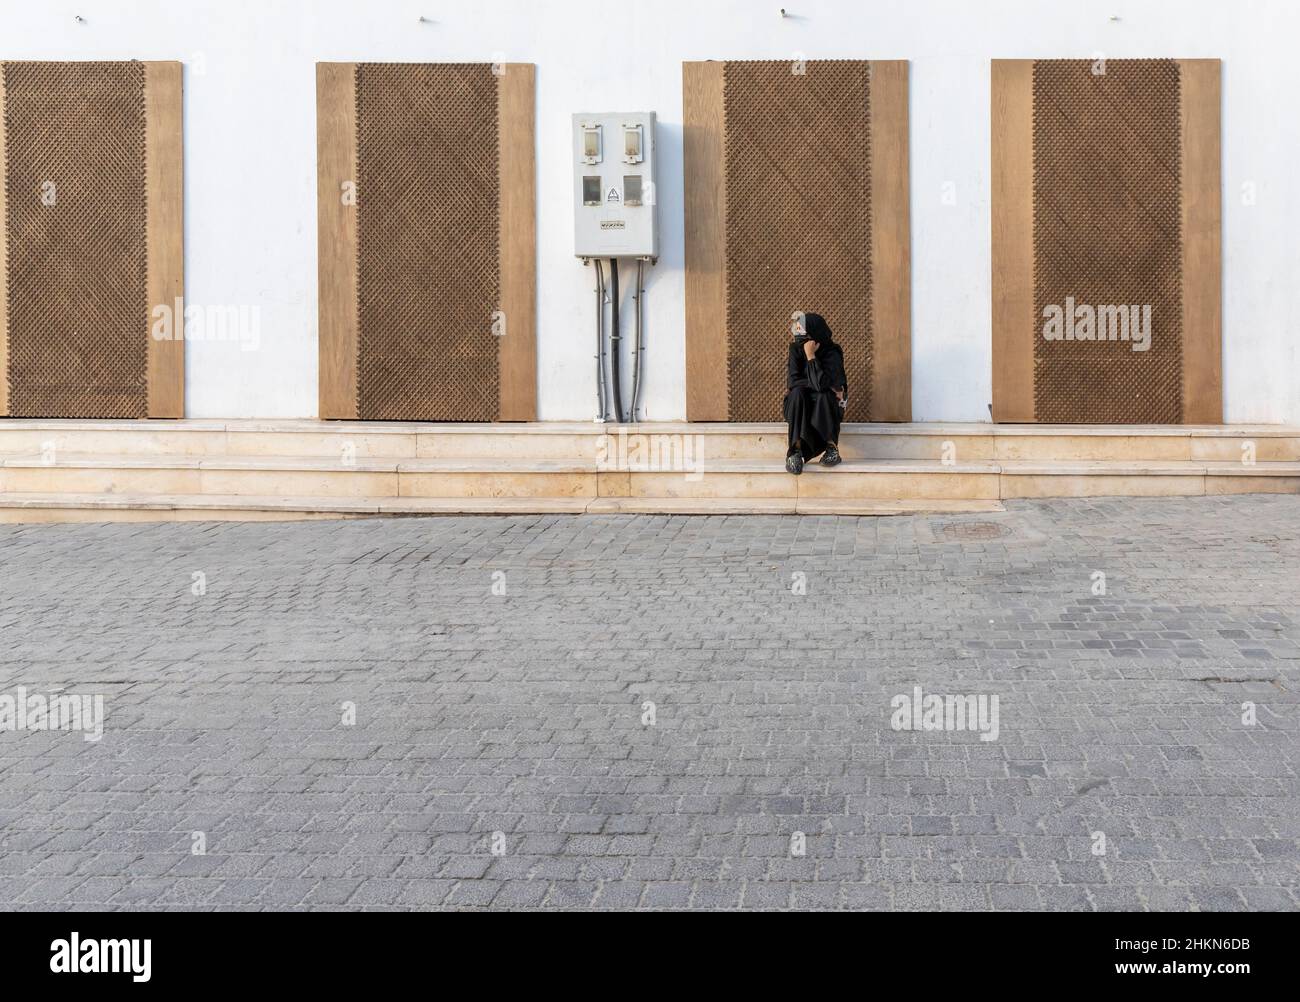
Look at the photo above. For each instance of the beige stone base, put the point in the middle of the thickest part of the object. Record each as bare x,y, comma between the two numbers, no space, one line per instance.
156,470
32,508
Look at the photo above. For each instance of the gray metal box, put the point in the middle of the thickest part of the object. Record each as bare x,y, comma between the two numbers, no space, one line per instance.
614,185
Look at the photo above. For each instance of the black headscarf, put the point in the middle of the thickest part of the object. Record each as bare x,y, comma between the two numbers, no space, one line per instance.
816,327
829,354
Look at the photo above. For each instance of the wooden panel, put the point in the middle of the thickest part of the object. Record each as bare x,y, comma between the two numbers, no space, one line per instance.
1012,210
77,230
428,242
4,266
518,246
336,240
1180,378
891,244
705,205
1107,201
166,234
1201,262
743,197
798,228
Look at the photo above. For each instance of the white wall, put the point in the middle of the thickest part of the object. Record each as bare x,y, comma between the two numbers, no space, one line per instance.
250,159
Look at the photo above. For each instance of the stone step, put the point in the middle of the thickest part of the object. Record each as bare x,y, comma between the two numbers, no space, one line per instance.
1022,479
295,476
919,480
34,508
582,441
789,506
317,477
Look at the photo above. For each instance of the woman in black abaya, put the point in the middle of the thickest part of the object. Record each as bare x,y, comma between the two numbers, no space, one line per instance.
816,394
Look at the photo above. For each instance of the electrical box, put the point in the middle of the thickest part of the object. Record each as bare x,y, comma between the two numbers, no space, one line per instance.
614,185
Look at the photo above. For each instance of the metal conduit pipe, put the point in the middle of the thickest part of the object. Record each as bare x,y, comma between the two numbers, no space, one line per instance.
600,342
638,346
616,393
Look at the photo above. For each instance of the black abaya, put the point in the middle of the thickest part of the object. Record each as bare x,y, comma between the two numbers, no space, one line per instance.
812,410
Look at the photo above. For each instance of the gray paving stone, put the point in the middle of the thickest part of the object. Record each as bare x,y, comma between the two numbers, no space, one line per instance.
774,713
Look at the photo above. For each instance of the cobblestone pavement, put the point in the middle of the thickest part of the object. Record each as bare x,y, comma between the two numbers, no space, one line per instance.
501,672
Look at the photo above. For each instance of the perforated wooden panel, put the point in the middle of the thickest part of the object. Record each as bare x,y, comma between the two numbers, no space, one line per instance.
428,253
75,226
1107,233
797,172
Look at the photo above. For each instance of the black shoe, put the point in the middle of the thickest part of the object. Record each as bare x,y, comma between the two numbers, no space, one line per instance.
794,462
831,457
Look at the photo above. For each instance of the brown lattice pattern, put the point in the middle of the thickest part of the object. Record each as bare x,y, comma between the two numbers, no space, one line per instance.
428,273
77,293
1107,232
798,223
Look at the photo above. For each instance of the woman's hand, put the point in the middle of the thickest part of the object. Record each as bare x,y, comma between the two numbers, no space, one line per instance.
809,349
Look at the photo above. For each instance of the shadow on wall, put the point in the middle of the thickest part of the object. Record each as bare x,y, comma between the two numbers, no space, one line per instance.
670,195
